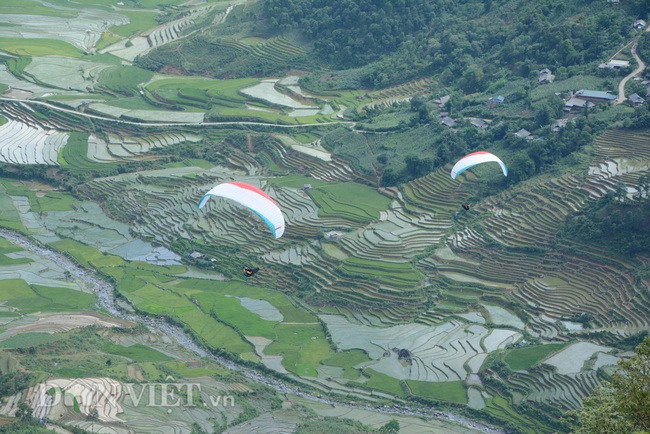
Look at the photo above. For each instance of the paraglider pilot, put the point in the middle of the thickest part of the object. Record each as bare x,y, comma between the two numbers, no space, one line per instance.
466,207
250,271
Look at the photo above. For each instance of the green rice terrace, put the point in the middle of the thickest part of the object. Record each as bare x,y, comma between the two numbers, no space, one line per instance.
384,301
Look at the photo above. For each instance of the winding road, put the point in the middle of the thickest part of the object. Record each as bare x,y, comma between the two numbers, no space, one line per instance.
641,66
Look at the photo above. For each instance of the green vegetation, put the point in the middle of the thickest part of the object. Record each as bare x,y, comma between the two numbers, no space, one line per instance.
527,357
136,352
400,274
124,80
302,346
616,221
36,298
377,380
39,47
28,340
621,405
347,358
354,202
452,391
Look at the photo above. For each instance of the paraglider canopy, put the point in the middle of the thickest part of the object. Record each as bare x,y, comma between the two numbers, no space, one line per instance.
471,160
250,271
254,199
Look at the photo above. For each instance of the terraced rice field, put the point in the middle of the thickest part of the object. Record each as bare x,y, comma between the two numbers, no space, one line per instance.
23,143
438,354
165,33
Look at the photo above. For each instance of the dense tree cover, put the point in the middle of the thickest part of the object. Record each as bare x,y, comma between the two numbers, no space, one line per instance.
621,224
621,405
467,40
14,382
377,43
350,33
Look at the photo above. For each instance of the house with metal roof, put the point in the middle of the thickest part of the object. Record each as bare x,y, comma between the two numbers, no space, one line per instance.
595,95
577,103
615,64
495,100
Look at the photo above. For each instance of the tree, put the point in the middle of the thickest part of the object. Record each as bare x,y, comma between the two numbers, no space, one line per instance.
24,412
92,417
633,384
621,405
391,427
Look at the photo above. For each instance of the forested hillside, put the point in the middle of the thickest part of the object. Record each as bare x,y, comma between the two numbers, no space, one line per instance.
469,43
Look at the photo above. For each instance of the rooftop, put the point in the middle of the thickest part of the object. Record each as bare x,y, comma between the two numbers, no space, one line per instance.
596,94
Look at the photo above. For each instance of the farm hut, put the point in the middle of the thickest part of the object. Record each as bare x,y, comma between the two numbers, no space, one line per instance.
495,100
479,123
636,100
448,122
524,134
545,76
441,101
558,125
196,255
332,236
639,24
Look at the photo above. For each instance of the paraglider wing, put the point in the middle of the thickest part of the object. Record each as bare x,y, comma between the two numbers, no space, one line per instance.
473,159
254,199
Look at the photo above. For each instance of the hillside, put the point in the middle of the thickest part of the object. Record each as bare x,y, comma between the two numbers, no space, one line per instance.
384,299
469,44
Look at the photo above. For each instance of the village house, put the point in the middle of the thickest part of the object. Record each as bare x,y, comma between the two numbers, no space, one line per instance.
559,124
636,100
524,134
595,96
495,100
332,236
574,103
545,76
639,24
615,64
442,101
448,122
479,123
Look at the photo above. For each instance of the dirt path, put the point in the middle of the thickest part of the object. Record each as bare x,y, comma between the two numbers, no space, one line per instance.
621,86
